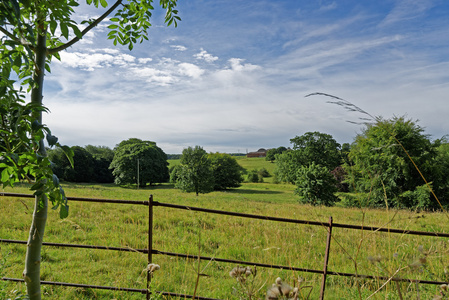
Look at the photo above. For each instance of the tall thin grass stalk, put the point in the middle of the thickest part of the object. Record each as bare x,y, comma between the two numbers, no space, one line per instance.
386,282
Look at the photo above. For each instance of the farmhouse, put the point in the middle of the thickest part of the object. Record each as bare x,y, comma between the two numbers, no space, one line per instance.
259,153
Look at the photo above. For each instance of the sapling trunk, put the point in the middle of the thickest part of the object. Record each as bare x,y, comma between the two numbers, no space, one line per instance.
31,273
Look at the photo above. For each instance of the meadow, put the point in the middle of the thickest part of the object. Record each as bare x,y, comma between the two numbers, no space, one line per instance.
180,231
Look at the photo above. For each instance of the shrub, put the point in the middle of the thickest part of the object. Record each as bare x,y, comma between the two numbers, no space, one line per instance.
254,176
316,185
263,172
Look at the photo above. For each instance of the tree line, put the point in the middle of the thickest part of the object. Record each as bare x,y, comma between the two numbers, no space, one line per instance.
391,163
140,162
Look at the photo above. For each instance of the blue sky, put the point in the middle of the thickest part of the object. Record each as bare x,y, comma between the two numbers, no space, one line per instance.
233,76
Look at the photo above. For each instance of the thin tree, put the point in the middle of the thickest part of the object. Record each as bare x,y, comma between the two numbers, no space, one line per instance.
29,42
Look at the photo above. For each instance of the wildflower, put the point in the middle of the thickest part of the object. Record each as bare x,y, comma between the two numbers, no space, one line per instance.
240,273
279,289
152,267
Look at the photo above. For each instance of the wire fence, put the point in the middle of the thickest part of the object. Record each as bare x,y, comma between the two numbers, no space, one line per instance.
150,251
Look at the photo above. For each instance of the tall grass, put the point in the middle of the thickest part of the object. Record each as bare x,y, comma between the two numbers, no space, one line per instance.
380,254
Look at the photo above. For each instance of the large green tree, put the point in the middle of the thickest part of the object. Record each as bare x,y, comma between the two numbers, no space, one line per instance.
317,147
383,161
102,160
311,147
194,173
33,33
226,171
141,162
90,164
82,169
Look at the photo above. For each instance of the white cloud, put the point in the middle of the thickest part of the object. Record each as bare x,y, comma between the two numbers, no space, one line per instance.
152,75
236,65
253,96
179,47
205,56
95,59
330,6
190,70
407,10
111,51
144,60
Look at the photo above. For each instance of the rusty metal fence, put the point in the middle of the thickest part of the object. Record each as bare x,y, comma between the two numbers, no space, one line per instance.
150,251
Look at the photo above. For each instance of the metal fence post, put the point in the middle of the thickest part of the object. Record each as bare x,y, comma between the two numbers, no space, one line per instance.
150,242
326,259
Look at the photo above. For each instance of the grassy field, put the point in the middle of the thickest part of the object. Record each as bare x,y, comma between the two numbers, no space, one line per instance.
180,231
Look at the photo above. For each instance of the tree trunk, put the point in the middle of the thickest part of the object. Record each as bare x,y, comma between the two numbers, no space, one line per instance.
31,274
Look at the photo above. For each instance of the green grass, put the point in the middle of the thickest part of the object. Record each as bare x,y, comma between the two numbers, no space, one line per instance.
223,237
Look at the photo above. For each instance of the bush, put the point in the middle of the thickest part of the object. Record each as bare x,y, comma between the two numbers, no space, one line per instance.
316,185
263,172
254,176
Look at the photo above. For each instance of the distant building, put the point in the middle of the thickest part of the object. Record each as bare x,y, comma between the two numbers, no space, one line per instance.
259,153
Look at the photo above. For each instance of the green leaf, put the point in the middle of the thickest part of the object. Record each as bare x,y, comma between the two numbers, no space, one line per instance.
37,186
64,30
103,3
47,67
69,153
55,180
35,126
5,177
53,26
64,211
76,30
51,140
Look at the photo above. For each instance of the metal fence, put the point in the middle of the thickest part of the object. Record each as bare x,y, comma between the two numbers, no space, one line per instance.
150,251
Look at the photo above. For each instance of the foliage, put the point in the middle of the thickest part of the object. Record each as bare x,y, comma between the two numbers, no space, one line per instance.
254,176
316,147
134,153
100,152
271,153
381,168
263,172
86,166
316,185
226,171
195,171
174,173
20,152
33,32
287,165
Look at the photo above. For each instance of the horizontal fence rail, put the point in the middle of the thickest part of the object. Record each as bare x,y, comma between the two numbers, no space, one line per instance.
304,222
150,251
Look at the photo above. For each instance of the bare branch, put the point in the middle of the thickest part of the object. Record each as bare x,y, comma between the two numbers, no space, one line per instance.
86,30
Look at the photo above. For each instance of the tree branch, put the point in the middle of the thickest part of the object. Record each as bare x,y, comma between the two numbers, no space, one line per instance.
86,30
16,39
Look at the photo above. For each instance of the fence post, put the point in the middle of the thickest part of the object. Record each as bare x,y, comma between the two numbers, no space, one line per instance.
326,259
150,242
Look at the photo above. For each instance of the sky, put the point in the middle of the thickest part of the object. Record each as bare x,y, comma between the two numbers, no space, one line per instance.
234,75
